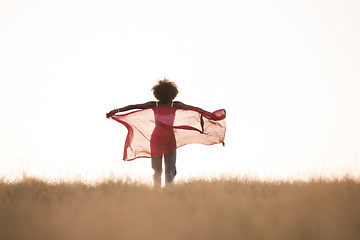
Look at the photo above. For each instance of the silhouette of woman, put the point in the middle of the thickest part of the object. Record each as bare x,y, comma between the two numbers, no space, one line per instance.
162,139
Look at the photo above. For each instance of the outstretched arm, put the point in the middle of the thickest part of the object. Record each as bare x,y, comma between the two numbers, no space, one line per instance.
130,107
181,105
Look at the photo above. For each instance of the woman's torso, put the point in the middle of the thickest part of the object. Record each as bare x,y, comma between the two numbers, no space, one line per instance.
162,138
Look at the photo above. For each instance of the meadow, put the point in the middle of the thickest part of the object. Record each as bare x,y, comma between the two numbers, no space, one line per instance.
198,209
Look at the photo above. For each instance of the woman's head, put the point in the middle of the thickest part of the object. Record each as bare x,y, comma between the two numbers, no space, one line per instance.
165,91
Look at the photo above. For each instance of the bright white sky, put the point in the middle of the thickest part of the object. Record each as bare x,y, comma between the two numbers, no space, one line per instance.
287,72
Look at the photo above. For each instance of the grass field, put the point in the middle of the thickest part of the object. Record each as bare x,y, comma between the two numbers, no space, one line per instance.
218,209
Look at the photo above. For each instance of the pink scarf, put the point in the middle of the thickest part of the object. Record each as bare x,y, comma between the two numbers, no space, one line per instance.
161,130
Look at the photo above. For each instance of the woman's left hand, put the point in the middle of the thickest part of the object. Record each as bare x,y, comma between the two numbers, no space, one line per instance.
109,114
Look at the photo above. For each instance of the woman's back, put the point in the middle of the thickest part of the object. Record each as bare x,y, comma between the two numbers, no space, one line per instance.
164,115
162,138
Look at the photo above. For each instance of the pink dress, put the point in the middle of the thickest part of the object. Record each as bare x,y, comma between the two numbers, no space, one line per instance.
163,138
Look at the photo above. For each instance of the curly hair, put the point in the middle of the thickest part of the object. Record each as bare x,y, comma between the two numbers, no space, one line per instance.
165,90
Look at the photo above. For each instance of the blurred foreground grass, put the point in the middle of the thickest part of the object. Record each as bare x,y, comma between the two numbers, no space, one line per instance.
219,209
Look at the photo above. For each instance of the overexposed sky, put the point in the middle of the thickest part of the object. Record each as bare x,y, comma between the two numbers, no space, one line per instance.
287,72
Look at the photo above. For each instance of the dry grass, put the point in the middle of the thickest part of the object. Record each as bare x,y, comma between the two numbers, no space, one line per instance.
219,209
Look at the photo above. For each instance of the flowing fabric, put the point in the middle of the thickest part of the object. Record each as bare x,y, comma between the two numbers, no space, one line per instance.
161,130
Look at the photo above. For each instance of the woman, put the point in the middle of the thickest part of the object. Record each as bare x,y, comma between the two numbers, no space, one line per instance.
158,118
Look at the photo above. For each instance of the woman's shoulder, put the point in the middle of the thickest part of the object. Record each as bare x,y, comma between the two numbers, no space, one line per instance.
178,104
150,103
181,105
